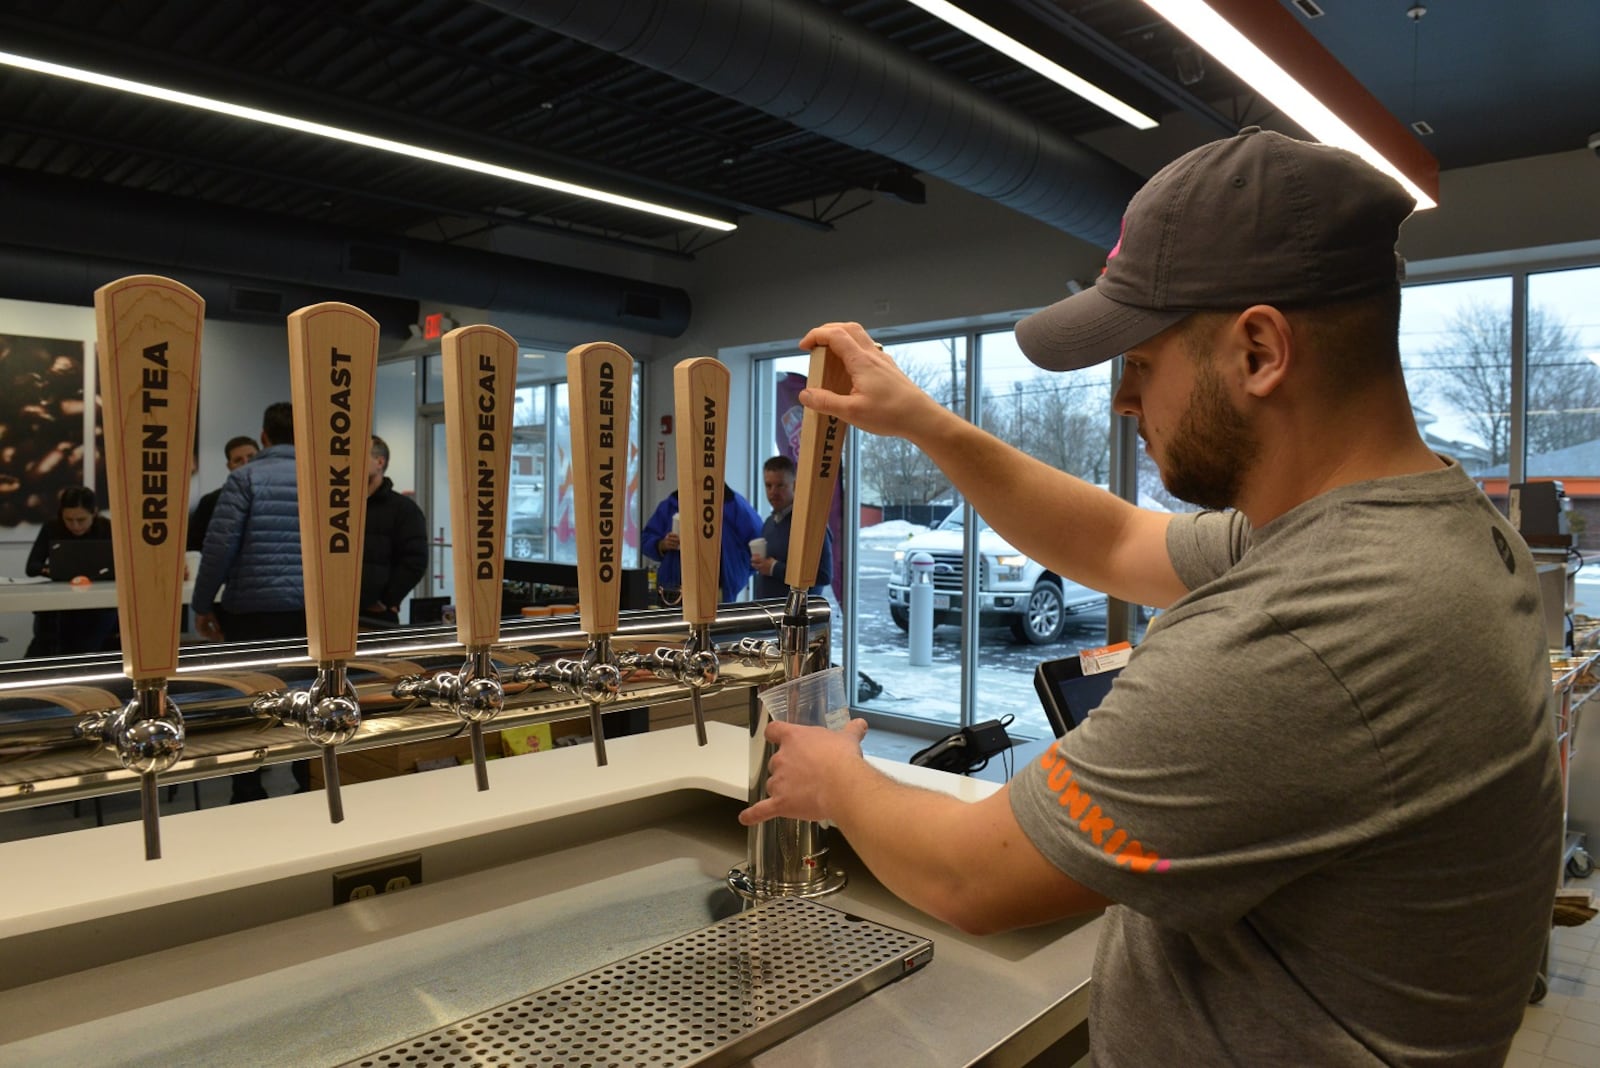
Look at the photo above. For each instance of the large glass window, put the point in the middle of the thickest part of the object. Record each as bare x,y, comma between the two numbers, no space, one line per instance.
1563,345
1455,346
1028,612
907,508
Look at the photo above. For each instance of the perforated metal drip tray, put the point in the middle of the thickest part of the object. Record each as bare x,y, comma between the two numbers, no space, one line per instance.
712,997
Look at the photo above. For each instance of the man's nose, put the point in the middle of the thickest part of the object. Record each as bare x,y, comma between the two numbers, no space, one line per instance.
1125,401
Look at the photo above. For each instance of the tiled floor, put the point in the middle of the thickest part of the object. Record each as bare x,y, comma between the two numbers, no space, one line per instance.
1563,1030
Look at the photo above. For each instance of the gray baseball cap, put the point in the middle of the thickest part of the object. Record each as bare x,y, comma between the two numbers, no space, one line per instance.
1257,218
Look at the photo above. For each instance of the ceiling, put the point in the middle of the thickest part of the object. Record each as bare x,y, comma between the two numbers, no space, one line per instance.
805,114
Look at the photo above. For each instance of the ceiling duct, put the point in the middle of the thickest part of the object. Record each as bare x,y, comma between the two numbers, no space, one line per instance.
71,278
803,63
156,232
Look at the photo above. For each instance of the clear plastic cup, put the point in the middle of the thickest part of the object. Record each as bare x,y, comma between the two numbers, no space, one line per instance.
758,546
815,700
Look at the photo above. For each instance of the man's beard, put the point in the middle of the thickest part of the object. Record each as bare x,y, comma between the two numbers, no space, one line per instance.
1212,448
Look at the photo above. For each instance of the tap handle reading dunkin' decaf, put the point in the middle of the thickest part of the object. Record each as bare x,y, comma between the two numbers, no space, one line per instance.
700,403
333,366
149,340
816,473
600,396
480,371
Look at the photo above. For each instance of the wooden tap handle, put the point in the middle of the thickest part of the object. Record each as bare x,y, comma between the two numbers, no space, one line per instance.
600,399
480,378
333,374
700,408
149,349
816,473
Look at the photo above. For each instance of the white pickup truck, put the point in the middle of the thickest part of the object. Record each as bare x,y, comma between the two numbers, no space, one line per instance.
1011,587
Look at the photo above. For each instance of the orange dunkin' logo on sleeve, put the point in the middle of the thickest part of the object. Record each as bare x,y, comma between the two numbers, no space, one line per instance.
1095,824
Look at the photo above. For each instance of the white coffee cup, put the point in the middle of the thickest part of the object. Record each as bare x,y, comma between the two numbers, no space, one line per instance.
758,546
675,516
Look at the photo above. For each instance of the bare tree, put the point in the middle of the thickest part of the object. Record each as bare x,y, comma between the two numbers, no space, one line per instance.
894,471
1469,370
1063,420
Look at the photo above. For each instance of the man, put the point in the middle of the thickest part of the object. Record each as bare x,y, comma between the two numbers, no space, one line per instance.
660,541
239,451
395,549
1324,792
777,476
252,551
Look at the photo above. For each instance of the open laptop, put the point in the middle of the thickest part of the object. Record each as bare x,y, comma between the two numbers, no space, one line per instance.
1072,687
89,557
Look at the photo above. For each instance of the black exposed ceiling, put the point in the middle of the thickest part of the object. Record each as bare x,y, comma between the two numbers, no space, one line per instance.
1495,80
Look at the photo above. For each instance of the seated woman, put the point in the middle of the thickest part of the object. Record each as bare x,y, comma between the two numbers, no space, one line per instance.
78,630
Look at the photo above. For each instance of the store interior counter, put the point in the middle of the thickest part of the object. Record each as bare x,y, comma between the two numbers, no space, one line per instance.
231,949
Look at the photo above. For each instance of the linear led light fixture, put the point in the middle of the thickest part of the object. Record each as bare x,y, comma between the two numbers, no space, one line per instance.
1219,37
1015,49
382,144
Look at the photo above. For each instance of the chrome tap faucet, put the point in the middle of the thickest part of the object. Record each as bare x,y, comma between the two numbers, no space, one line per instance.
329,713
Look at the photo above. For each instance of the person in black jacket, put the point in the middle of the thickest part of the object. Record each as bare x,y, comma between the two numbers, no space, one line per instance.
76,630
239,451
395,550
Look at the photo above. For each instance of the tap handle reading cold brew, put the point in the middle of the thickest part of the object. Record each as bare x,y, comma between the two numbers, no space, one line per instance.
700,403
333,367
480,369
149,331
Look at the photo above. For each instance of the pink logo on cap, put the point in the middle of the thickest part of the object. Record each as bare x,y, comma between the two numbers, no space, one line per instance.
1120,235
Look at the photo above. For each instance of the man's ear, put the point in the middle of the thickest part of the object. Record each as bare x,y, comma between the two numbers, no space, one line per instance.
1263,336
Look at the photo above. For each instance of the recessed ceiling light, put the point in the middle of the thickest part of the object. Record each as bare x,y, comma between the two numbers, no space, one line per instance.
352,137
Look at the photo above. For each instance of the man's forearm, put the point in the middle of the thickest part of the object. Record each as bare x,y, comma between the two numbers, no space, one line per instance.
966,863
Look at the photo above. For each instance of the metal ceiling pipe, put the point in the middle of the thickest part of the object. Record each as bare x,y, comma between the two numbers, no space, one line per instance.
805,64
51,277
158,232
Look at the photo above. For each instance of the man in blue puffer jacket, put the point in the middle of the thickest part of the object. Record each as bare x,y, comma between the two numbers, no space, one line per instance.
252,551
252,547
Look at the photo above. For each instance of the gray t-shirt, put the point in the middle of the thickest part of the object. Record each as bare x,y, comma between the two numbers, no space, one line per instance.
1324,791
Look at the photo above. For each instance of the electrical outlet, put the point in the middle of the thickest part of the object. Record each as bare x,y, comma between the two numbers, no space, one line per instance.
378,877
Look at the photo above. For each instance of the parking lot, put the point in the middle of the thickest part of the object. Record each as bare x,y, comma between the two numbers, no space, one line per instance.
934,692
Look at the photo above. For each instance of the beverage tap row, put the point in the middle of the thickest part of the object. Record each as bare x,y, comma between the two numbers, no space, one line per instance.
150,331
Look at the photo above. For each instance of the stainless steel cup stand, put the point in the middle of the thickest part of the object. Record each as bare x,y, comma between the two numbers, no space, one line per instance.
788,858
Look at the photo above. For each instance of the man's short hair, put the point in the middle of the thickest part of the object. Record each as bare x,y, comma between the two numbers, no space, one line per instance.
779,463
237,443
380,449
277,423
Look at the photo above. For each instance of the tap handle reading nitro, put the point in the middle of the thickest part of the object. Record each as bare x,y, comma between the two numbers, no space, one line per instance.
817,469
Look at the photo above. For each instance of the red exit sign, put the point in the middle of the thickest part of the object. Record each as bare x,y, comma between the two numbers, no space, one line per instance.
433,326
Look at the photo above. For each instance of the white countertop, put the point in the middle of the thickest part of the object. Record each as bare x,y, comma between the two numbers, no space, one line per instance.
607,862
33,595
